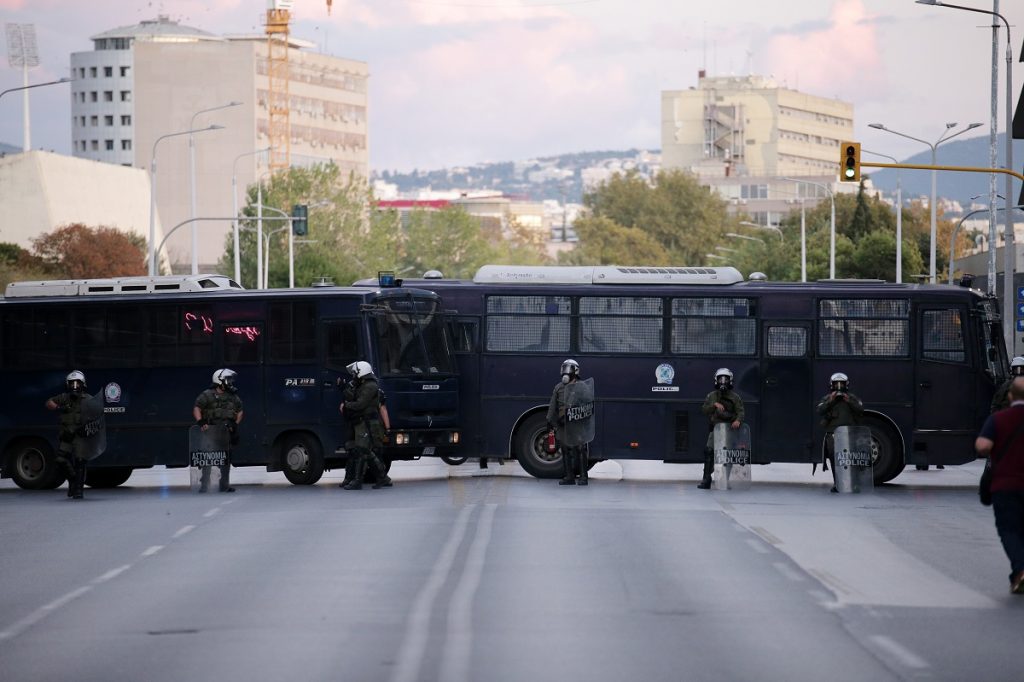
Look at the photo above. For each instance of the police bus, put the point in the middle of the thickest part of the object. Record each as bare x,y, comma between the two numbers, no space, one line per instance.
925,359
150,345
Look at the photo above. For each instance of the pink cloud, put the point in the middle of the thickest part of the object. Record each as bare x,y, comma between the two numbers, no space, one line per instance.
842,55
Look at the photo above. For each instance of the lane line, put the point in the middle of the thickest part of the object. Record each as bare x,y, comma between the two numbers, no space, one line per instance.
417,628
788,571
42,612
181,531
902,654
212,512
152,550
458,645
113,573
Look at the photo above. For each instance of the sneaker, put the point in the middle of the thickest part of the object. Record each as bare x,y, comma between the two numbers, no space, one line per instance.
1017,583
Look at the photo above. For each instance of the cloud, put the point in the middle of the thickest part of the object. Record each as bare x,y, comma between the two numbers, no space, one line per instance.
841,54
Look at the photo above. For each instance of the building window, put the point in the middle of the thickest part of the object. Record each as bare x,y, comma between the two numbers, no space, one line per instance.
126,96
108,71
81,72
94,121
124,71
126,145
109,144
108,95
94,145
93,96
92,72
82,119
108,120
126,120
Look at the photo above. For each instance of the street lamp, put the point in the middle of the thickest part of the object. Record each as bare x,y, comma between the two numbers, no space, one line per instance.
192,181
747,223
234,207
832,225
899,214
952,239
35,85
1009,257
152,192
743,236
945,137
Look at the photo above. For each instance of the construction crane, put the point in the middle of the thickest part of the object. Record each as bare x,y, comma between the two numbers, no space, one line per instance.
279,16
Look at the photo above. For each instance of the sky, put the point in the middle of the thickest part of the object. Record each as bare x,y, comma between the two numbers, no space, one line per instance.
458,82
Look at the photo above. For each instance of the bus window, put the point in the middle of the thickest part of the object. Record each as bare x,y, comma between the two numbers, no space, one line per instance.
292,332
242,344
787,342
179,335
528,323
342,343
412,338
35,339
864,327
107,337
615,324
465,333
941,336
713,326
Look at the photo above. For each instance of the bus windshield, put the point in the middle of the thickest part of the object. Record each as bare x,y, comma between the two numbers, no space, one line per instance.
412,338
996,362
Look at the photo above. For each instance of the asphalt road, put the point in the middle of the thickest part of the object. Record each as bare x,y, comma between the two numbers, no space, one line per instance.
460,574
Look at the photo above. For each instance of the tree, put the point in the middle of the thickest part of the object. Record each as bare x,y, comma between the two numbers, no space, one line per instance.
449,240
75,251
605,242
874,257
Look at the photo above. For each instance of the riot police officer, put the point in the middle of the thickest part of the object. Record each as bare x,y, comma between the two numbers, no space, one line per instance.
71,428
575,458
220,405
838,407
721,406
362,407
1001,399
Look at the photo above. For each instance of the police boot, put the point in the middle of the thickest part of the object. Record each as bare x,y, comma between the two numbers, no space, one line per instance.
350,469
584,467
225,479
709,466
380,474
359,469
79,479
568,467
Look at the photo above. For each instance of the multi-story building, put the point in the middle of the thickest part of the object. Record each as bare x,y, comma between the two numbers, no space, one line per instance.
743,135
145,82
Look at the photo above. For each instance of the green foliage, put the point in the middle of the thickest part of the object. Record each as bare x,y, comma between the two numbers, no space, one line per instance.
449,240
605,242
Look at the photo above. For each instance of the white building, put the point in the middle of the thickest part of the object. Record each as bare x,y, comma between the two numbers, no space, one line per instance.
144,82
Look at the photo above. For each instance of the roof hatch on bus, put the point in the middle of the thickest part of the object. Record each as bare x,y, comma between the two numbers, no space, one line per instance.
604,274
120,285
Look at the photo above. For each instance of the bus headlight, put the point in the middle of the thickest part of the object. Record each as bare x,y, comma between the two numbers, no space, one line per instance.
401,439
453,437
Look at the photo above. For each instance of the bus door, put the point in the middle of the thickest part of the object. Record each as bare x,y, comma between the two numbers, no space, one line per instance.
341,348
784,429
944,400
465,333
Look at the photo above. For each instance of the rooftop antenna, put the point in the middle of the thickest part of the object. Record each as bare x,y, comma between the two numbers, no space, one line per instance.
22,51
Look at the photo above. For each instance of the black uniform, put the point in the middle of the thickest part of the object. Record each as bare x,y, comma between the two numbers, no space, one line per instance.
361,401
71,428
575,459
838,408
220,407
733,412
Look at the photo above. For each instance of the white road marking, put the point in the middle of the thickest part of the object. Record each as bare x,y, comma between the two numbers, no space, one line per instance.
905,656
212,512
417,628
181,531
458,645
111,574
788,571
152,550
42,612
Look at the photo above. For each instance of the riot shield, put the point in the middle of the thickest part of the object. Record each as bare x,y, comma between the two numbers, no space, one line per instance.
732,457
208,456
91,439
853,463
579,413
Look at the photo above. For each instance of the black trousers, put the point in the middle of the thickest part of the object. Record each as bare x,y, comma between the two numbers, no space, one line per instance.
1008,508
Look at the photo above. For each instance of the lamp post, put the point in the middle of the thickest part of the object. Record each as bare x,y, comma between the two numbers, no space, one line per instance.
743,236
234,207
832,227
952,238
899,214
192,181
1009,255
945,137
152,191
35,85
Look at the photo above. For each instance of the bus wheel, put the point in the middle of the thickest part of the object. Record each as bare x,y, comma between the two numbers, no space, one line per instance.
454,461
301,460
33,465
107,477
530,448
885,455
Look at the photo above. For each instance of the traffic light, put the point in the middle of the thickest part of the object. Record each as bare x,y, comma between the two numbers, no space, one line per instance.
849,161
300,222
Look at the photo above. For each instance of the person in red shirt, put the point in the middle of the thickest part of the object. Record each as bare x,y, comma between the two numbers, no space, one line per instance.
1002,440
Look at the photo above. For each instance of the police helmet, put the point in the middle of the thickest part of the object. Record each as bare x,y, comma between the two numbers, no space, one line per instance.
224,378
723,377
570,367
1017,366
75,381
360,369
839,382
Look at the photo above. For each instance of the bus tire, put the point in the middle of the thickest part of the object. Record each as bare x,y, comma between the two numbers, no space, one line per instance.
530,447
301,459
888,461
33,466
107,477
453,461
